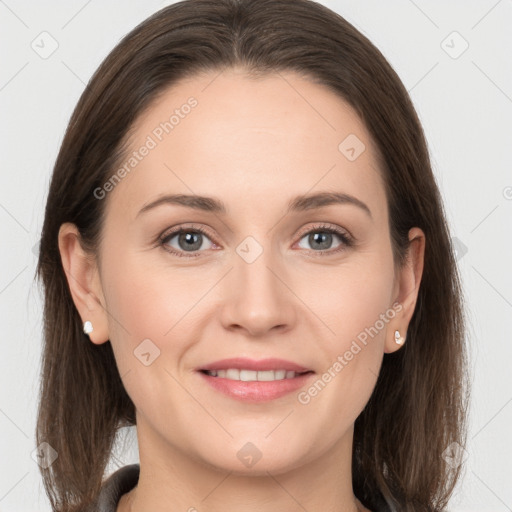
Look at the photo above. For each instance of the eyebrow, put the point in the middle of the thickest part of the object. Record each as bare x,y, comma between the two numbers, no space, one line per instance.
297,204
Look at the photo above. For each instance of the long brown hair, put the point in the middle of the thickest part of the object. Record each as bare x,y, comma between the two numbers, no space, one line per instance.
419,406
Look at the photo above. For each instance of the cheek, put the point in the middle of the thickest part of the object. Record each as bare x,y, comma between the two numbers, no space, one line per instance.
355,305
146,300
144,309
353,296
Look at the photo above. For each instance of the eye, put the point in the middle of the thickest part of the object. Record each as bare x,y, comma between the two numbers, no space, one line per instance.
187,240
321,237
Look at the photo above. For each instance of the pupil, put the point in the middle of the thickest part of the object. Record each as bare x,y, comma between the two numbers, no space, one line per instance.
190,243
324,237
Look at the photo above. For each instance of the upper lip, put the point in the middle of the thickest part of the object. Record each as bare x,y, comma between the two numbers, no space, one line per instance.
243,363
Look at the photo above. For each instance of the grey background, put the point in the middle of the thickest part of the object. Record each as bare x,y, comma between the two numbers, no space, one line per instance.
464,101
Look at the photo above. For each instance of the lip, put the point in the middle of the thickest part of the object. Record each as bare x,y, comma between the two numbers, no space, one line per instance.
256,391
253,364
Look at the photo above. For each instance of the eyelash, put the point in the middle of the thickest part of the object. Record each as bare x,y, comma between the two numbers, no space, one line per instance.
346,239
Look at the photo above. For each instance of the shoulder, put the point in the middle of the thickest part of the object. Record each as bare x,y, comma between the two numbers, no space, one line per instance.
117,484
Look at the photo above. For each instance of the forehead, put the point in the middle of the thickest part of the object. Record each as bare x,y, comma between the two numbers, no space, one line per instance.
238,137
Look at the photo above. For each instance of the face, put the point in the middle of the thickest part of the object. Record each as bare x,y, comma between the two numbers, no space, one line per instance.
271,275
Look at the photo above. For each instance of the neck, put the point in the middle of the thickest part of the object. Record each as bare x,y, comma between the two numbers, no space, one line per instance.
170,477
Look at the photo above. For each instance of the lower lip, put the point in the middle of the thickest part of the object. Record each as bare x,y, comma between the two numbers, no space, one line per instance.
256,391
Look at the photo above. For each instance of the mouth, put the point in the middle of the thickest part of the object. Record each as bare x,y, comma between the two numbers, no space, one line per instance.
245,375
255,381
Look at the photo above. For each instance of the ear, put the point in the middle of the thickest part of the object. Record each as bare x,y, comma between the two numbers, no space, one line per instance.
84,283
407,285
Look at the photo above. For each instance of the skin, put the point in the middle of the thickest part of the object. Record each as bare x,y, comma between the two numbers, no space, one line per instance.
254,144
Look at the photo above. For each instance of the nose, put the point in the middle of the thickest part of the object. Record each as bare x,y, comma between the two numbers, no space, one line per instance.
257,297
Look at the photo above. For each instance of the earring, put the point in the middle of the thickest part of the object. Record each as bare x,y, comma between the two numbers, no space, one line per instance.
398,339
88,327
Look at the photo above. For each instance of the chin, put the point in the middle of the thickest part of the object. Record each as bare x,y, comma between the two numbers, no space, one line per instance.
252,458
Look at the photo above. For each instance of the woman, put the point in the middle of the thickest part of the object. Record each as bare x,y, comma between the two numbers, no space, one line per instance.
185,292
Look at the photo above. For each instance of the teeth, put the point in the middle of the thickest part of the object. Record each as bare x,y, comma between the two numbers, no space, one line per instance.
245,375
252,375
233,374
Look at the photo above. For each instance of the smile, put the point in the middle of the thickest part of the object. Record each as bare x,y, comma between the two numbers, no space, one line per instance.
252,375
255,386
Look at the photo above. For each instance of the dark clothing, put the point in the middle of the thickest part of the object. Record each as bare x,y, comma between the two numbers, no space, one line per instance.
117,484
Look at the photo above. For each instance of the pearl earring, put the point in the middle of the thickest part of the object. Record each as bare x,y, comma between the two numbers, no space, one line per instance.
88,327
398,339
